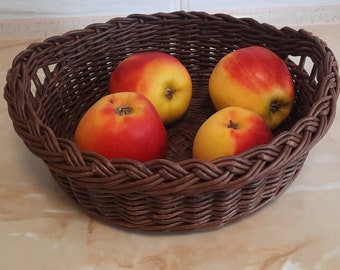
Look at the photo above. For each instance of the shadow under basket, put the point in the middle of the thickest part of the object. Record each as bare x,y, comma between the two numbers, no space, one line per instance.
52,83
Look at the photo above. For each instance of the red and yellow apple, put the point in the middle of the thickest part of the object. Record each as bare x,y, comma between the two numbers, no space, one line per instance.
254,78
159,76
229,132
122,125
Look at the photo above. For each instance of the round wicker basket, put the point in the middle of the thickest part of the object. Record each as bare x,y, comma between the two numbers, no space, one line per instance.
52,83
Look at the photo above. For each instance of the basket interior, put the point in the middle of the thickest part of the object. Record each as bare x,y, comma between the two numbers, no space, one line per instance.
74,73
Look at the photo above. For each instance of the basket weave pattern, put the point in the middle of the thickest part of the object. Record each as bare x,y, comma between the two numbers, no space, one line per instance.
52,83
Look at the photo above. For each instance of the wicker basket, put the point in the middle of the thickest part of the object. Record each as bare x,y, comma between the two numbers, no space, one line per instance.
52,83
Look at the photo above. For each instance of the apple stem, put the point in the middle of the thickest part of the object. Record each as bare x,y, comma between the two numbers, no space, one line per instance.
169,93
275,105
123,110
232,124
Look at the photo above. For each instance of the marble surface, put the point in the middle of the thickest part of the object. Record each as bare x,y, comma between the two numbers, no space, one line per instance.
40,228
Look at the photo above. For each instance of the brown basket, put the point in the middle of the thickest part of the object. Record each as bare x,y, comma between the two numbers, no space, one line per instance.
52,83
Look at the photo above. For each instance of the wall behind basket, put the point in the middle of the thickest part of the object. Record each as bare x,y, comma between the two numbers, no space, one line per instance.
41,18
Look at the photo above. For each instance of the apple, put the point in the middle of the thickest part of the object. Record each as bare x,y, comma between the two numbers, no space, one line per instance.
254,78
122,125
229,132
159,76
